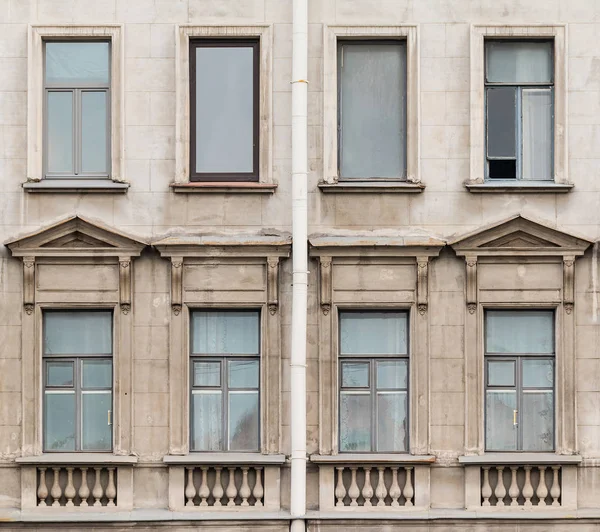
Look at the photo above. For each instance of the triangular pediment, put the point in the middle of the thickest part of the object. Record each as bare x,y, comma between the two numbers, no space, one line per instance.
76,236
520,236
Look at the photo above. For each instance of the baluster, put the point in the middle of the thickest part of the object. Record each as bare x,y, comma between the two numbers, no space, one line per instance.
190,489
111,489
527,487
555,489
97,491
56,492
70,488
500,491
542,489
84,489
340,489
395,491
42,491
218,489
245,488
203,492
408,487
381,491
231,491
486,489
513,491
353,492
258,490
367,491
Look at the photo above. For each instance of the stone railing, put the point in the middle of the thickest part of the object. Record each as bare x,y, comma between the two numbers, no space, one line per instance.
516,482
224,481
373,482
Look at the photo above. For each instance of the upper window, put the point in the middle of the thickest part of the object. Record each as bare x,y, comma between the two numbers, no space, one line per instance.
519,95
78,380
224,109
225,380
373,381
77,109
519,380
372,109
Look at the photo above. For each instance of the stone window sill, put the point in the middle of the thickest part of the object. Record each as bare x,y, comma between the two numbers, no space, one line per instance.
220,187
503,187
372,458
225,458
372,187
98,186
77,459
519,458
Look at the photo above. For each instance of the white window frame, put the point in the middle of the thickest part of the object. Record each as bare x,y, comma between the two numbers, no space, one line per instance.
35,99
479,33
331,35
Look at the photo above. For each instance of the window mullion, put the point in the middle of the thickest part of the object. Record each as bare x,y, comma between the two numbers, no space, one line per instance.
78,409
519,389
225,403
374,409
519,132
77,132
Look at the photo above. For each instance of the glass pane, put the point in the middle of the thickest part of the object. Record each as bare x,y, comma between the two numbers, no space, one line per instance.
519,62
500,430
538,421
69,63
537,134
96,434
59,137
207,421
501,373
207,374
225,109
519,331
372,110
501,122
77,333
355,374
243,374
59,373
93,132
59,422
96,374
391,421
355,421
225,332
243,421
373,333
392,374
538,373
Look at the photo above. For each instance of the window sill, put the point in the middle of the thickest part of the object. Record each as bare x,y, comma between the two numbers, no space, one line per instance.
77,458
503,187
372,458
520,458
219,187
225,458
371,187
98,186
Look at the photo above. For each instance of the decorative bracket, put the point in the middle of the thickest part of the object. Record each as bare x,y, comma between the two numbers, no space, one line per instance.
272,284
176,284
471,262
568,283
325,273
125,284
422,284
29,284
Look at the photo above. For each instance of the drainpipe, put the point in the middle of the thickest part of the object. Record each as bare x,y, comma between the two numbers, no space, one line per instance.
300,262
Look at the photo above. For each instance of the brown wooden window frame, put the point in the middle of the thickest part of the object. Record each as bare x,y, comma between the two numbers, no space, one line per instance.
225,176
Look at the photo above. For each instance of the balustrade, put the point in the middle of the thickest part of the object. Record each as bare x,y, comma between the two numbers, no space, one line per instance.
72,486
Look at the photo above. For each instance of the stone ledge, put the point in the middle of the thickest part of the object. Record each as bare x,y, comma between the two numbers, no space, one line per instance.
520,186
220,187
520,458
371,187
225,458
372,458
65,186
77,459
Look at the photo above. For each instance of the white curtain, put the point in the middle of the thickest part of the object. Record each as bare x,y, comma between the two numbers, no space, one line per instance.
537,134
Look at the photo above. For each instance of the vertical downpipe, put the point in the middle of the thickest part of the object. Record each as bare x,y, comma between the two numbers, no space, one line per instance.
300,262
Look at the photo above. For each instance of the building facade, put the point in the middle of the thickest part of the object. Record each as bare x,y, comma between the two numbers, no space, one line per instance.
453,361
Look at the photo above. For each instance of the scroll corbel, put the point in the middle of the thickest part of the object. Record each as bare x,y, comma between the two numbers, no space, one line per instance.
176,284
568,283
273,284
325,274
29,284
471,262
125,284
422,284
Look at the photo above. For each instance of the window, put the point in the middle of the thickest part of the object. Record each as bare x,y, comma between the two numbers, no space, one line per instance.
519,94
372,109
225,380
77,109
519,378
78,380
224,109
373,381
